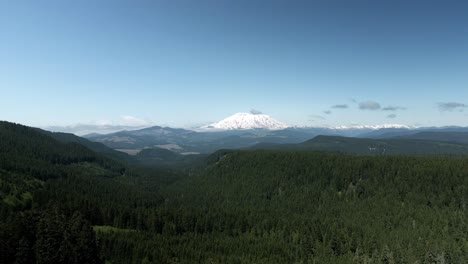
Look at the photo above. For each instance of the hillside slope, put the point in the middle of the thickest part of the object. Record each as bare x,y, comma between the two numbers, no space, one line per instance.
329,208
367,146
52,191
451,136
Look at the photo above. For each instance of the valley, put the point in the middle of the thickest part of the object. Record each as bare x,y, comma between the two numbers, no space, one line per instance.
329,199
174,143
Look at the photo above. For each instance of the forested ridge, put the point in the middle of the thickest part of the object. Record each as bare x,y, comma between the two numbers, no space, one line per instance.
61,202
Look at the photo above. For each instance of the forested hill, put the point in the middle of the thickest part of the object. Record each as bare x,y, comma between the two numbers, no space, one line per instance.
36,171
61,202
94,146
291,207
367,146
447,136
27,151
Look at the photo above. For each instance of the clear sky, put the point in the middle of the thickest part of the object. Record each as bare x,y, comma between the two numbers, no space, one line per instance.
187,63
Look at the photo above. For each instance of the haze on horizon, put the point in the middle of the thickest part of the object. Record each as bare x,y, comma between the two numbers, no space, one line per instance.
191,63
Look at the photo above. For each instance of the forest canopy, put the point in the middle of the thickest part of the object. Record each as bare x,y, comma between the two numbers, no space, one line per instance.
61,202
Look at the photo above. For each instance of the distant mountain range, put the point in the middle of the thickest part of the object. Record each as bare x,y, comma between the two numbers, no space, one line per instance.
444,136
242,131
368,146
170,147
187,142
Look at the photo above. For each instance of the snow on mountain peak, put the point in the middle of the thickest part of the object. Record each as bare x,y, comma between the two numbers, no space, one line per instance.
248,121
373,127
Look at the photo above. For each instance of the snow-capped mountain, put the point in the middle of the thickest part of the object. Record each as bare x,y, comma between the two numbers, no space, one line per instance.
373,127
247,121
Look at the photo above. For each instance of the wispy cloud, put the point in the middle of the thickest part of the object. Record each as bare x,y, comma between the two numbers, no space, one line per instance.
125,122
451,106
255,112
328,112
316,117
83,129
340,106
391,116
128,120
369,105
104,122
393,108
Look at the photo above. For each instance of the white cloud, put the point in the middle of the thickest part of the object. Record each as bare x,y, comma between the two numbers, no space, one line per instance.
103,122
83,129
103,126
128,120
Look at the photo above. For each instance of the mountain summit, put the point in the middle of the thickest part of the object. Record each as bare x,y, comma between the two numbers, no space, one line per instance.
248,121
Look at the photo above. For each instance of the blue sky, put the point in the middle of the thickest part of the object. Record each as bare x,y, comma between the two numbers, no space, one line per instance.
187,63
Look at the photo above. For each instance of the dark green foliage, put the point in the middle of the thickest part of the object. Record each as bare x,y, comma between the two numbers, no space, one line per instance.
332,208
65,240
158,157
29,230
51,246
94,146
103,201
82,240
158,154
24,150
237,207
16,189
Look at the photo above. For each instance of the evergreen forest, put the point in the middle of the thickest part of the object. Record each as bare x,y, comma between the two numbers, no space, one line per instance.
64,199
